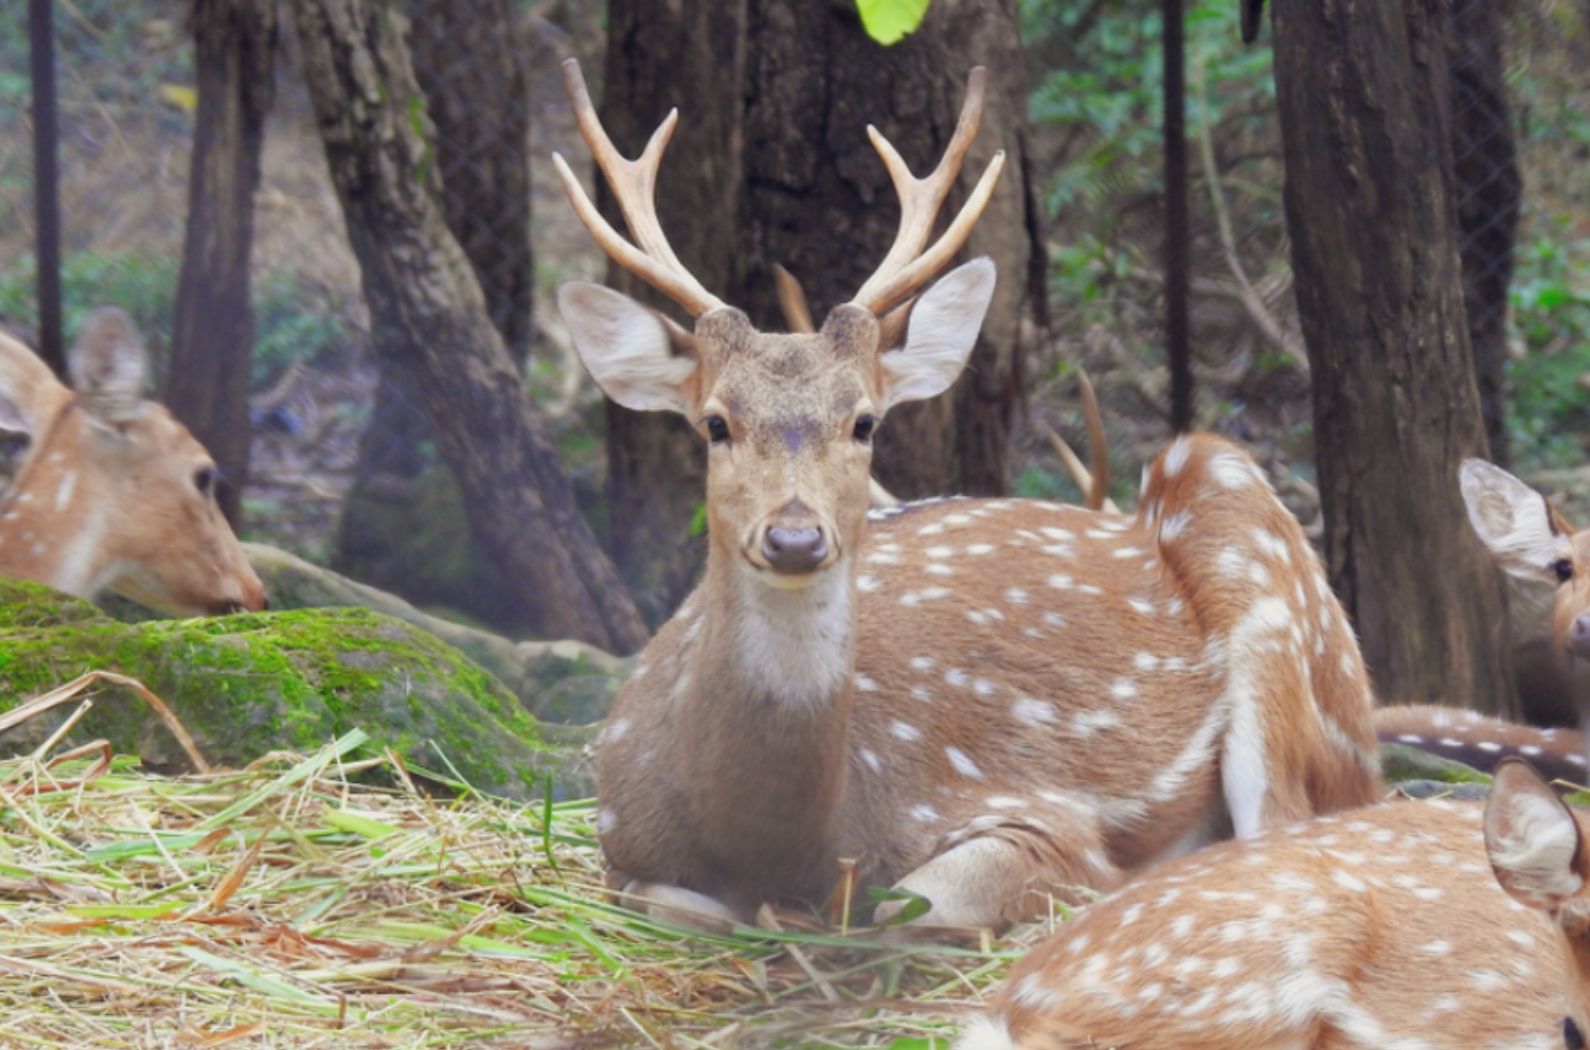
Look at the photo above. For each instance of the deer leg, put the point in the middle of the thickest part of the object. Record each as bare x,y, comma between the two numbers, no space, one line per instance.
674,904
1009,873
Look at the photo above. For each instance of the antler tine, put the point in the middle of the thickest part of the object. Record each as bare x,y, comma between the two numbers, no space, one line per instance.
634,185
905,267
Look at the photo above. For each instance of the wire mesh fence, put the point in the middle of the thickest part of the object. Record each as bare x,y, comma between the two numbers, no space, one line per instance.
325,424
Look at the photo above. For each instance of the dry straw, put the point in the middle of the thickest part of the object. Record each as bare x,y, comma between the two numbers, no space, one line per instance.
328,900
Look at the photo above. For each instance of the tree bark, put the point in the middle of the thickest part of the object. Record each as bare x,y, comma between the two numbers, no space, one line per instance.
819,201
1489,195
1365,116
661,56
429,316
207,382
468,55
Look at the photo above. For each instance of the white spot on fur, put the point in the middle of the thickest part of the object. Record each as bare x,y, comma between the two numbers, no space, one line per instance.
905,732
963,763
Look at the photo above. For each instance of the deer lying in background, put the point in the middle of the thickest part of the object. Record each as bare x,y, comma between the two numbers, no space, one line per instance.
985,702
113,492
1379,928
1530,539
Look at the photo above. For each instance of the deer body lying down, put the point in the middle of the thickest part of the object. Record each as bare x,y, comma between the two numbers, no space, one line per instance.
113,492
986,702
1383,927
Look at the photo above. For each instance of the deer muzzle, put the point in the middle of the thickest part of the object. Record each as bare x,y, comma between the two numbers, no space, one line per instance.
794,552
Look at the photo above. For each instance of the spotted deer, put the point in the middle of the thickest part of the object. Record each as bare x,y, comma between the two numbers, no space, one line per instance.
1411,925
113,492
1529,539
989,703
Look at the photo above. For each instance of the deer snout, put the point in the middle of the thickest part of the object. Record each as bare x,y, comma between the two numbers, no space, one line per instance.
794,552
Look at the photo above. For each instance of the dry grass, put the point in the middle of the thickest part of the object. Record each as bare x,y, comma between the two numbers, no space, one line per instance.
292,904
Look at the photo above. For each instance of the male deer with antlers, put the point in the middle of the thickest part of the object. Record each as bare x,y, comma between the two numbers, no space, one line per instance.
113,492
985,702
1379,928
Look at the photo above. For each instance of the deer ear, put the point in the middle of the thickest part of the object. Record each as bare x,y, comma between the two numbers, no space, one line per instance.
1513,520
638,358
1532,840
29,391
108,367
940,335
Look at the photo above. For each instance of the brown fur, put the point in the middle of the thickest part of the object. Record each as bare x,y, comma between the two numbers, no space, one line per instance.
1374,928
107,494
711,785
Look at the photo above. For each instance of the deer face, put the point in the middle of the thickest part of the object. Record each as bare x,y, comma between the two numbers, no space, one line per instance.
1530,539
788,419
114,492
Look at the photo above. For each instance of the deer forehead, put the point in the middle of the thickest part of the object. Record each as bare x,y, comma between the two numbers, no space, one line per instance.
778,385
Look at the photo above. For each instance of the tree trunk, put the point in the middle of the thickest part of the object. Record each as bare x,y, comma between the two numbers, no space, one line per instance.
211,347
819,201
660,56
1489,194
468,55
428,315
1365,117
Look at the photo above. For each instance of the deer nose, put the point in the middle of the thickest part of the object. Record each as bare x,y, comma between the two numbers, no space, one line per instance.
1579,635
792,552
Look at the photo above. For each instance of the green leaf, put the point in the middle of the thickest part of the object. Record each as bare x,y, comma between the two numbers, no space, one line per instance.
916,905
886,21
358,823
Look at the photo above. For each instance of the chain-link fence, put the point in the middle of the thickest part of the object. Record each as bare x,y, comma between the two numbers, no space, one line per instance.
325,425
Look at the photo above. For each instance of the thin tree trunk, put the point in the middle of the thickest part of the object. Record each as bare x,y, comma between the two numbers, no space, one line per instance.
660,56
1489,194
819,201
428,315
1365,117
207,383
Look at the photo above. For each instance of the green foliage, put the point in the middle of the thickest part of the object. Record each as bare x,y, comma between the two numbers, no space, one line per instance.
143,286
888,21
1550,411
1106,89
293,319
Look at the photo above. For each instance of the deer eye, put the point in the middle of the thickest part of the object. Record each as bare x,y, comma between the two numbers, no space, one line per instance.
717,429
1563,568
865,425
1572,1038
205,479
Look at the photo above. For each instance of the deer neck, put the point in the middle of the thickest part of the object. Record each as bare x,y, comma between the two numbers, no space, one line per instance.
52,530
792,649
767,691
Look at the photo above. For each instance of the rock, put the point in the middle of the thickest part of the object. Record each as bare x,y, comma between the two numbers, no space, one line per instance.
563,681
247,685
1403,762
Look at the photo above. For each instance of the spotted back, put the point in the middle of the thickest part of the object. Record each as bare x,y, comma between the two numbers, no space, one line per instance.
1378,927
113,492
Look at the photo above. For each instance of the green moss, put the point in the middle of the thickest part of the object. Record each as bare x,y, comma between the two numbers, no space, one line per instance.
245,685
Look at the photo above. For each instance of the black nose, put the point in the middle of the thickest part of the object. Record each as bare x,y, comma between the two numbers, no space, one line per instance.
794,551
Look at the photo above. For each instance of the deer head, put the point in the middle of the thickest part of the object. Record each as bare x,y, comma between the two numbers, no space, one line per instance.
788,418
113,491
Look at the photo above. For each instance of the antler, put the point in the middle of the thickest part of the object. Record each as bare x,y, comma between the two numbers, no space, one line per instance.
634,183
907,267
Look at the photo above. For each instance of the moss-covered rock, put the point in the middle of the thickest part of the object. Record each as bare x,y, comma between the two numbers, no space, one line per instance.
564,681
247,685
1401,762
